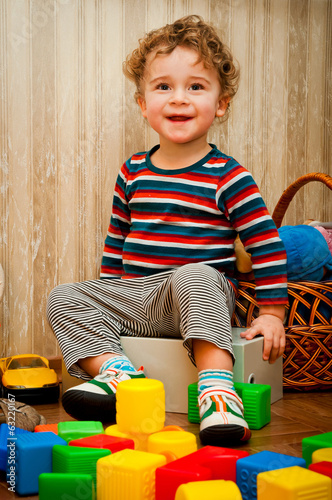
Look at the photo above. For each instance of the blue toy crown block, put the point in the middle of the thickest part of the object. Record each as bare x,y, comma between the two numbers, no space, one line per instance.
313,443
77,429
31,456
58,486
7,432
248,468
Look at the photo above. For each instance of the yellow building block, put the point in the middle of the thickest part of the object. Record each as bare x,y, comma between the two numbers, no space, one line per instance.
322,455
140,439
293,483
218,489
176,443
140,406
128,475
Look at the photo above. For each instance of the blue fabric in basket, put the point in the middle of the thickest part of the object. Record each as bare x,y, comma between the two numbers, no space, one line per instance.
308,254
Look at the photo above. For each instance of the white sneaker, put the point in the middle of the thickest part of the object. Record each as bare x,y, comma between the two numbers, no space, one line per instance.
221,413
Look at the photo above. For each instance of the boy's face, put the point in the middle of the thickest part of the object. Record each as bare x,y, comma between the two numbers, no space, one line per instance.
181,97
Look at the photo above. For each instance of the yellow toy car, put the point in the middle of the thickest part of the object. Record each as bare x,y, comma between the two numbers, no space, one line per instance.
29,379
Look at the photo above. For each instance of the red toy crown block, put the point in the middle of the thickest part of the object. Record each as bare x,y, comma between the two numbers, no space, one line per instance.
210,462
104,441
324,468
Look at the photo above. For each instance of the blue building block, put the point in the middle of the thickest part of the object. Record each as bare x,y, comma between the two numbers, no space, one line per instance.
248,468
30,455
7,432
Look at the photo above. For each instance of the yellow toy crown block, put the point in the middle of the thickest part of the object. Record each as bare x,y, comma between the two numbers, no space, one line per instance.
322,455
140,406
293,483
218,489
174,444
128,475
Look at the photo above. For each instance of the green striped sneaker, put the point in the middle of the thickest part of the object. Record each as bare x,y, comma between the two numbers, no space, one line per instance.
222,422
95,399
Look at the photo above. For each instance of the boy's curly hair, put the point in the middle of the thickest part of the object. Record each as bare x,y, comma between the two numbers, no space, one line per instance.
189,31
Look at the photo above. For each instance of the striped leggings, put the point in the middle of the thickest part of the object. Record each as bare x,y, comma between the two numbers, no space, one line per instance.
194,301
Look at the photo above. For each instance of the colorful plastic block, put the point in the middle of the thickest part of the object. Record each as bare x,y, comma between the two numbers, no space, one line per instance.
33,456
173,444
293,483
140,439
217,489
147,398
58,486
247,469
47,428
256,400
128,475
75,430
313,443
210,462
7,432
322,455
77,460
324,468
111,443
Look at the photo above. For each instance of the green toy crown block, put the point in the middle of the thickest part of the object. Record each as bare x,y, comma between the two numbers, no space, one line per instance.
75,430
313,443
55,486
77,460
256,400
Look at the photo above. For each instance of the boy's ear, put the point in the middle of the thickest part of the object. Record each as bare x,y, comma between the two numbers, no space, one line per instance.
142,104
222,106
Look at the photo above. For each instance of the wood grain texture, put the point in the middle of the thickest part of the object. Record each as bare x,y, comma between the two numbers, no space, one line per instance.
69,120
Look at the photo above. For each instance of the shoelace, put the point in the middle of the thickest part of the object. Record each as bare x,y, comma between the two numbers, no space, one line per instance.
223,393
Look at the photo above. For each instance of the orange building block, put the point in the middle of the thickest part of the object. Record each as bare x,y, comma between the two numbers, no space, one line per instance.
47,428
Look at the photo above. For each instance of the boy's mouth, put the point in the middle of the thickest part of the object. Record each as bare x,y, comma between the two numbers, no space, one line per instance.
179,118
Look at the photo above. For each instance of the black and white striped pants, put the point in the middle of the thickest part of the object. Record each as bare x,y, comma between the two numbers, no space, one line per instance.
194,301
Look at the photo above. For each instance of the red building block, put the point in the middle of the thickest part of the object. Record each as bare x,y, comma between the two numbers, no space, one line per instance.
104,441
210,462
324,468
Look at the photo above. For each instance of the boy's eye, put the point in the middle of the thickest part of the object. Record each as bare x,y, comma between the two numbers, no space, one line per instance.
196,86
163,86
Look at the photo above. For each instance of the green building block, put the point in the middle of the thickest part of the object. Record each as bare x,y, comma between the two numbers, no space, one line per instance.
55,486
75,430
77,460
313,443
256,400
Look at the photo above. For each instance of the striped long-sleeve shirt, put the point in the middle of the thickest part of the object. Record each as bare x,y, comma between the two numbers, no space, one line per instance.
163,219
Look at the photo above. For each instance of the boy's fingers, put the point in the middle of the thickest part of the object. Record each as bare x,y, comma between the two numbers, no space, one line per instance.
273,346
250,333
268,348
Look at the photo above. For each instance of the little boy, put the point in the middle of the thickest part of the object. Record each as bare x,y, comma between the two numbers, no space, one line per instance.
168,261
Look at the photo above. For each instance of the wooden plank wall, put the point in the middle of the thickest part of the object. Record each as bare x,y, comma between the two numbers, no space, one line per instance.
68,121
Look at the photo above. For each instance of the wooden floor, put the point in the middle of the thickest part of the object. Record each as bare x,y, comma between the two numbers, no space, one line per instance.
294,417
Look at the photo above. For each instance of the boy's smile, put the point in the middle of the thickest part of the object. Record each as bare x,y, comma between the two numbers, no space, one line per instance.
181,97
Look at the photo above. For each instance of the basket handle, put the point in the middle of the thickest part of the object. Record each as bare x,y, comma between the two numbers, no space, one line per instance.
290,192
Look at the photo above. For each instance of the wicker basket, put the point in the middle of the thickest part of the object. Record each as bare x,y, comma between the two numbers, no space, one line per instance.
307,363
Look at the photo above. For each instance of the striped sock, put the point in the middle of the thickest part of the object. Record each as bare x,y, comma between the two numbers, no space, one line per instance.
119,363
215,378
220,409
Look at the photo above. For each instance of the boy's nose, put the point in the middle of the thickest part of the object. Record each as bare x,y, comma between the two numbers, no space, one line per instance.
179,96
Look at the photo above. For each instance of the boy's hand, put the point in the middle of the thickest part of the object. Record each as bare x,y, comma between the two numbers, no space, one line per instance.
270,325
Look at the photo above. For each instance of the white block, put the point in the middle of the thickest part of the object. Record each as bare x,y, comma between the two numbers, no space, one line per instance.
167,360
